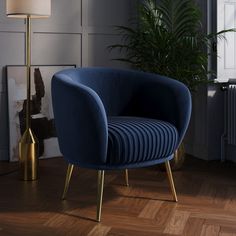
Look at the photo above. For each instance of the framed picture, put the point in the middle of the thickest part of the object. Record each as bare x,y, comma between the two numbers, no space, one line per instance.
42,119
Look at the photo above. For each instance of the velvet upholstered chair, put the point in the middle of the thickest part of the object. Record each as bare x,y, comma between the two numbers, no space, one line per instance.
111,119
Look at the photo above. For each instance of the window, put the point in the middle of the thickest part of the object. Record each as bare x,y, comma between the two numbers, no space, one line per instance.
226,61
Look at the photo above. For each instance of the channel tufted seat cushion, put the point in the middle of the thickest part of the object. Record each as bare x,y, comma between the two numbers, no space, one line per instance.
135,139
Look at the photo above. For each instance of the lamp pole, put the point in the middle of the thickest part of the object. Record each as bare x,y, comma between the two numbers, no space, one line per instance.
28,65
28,145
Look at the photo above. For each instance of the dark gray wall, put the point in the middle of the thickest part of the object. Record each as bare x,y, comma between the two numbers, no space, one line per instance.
203,139
78,32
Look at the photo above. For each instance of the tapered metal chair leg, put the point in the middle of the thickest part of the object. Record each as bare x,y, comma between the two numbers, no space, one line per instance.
67,182
171,181
127,177
100,193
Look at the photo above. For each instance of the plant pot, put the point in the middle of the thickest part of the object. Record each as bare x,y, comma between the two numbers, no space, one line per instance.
177,162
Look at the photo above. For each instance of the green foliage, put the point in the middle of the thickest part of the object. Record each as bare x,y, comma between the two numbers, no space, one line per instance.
169,40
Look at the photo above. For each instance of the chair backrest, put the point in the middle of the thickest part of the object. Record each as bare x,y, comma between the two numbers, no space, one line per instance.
83,98
115,87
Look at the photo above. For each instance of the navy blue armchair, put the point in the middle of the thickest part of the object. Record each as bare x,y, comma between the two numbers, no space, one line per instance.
118,119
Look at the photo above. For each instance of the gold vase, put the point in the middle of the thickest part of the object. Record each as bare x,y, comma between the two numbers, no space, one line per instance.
177,162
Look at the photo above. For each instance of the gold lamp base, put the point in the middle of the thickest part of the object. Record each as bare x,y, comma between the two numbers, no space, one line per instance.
28,155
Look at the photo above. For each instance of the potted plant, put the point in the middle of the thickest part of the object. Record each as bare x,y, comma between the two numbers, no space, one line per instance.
168,39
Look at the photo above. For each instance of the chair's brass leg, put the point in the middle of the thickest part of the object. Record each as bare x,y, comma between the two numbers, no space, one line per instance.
171,181
67,182
127,177
100,193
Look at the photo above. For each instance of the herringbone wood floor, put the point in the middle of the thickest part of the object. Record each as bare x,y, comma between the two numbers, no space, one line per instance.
206,191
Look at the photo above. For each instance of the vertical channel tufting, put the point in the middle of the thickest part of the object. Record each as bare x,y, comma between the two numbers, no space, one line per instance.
133,139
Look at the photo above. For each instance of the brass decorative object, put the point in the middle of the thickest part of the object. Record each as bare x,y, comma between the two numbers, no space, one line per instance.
179,157
177,162
28,156
28,145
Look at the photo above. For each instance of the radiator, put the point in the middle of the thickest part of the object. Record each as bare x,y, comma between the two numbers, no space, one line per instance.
231,114
229,135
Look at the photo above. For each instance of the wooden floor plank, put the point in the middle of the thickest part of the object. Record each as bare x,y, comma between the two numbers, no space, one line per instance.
228,231
150,210
193,226
210,230
99,230
177,222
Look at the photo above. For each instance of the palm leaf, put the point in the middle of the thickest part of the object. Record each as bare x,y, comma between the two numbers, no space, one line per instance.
168,39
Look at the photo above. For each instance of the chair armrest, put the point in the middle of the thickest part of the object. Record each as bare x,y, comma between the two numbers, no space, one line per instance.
166,99
80,120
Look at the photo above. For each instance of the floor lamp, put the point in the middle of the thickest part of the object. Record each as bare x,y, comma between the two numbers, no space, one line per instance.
28,145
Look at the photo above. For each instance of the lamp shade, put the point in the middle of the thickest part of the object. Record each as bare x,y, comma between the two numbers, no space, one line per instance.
31,8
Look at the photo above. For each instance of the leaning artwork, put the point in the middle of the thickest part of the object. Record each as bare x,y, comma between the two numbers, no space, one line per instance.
42,119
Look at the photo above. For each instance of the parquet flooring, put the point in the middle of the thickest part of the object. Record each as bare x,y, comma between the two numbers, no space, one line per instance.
206,207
